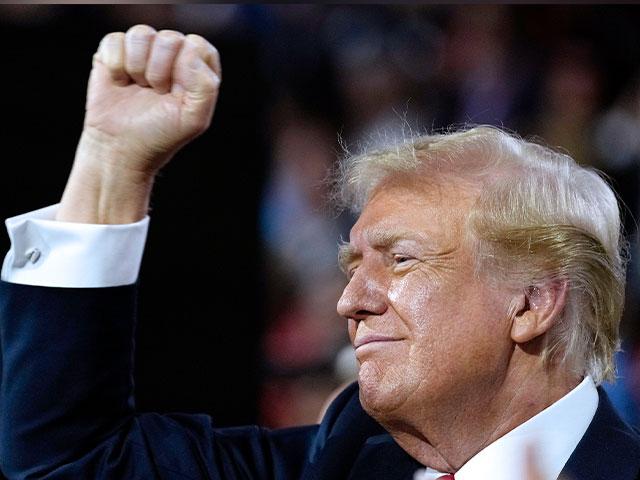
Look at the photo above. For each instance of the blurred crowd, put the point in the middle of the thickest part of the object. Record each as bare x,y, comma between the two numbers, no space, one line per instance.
339,78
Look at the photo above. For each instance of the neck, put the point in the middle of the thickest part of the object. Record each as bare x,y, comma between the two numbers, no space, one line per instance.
447,436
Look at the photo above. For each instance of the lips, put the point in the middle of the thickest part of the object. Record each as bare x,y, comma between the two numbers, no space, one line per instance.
372,338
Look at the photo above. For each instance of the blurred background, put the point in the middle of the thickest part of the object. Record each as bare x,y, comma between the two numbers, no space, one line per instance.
240,280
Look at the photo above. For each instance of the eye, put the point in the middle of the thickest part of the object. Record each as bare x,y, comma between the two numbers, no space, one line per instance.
400,259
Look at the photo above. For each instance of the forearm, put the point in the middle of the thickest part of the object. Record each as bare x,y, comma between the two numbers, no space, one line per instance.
67,352
103,188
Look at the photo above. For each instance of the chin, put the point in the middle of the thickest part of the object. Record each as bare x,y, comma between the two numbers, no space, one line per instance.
382,391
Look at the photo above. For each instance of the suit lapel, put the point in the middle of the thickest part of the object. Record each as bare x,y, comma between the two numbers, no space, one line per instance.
344,430
352,445
381,457
608,449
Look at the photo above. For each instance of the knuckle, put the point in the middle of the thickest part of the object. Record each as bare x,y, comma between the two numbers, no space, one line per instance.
111,42
197,39
168,41
113,37
206,51
170,35
139,39
141,30
200,43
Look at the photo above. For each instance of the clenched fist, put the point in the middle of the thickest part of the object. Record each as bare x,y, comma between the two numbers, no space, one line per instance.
149,94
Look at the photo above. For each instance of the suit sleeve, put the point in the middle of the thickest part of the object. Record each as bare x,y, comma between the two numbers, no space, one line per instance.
67,406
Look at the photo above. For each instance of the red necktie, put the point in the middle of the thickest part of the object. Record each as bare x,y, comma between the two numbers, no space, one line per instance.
446,477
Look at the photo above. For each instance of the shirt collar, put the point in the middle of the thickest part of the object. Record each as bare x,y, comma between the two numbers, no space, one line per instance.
554,433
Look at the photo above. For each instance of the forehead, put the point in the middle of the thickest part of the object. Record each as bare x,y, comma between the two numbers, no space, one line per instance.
433,213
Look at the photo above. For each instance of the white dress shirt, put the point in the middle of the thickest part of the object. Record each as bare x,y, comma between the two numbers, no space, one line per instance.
49,253
554,434
45,252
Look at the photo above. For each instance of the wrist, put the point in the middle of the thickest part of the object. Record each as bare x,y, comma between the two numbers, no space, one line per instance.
112,155
105,186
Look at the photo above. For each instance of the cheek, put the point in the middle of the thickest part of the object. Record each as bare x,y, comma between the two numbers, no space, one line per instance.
410,296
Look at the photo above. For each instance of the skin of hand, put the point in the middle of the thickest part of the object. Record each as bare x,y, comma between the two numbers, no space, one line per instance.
149,94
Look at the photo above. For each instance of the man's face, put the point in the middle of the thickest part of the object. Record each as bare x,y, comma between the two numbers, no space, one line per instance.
425,328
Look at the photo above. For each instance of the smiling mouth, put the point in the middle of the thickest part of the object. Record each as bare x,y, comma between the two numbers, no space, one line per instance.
371,339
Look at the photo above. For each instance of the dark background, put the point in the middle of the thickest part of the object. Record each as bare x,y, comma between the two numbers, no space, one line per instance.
239,279
200,316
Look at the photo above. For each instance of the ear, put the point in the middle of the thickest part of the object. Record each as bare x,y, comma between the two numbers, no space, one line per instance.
541,306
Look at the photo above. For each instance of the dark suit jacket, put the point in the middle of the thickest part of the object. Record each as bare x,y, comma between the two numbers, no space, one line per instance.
67,411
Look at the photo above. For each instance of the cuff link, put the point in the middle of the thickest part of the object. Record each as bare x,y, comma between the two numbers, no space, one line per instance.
33,255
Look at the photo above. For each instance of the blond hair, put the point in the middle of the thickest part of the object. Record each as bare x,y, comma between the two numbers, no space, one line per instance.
538,217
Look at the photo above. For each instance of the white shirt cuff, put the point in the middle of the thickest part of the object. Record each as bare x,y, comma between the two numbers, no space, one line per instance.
48,253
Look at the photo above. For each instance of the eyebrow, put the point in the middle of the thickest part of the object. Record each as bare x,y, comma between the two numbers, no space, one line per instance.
347,254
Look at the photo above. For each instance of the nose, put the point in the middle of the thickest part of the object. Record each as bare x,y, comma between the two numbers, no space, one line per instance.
363,296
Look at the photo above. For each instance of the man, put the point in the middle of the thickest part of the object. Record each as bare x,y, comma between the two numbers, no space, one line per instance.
485,290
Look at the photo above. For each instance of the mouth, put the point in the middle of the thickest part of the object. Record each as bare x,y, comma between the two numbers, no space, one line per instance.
372,339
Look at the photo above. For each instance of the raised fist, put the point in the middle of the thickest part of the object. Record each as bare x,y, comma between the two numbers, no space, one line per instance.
150,93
